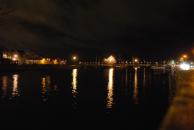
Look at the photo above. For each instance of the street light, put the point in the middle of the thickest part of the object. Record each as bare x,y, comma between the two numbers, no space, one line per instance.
185,66
184,57
15,57
136,60
74,58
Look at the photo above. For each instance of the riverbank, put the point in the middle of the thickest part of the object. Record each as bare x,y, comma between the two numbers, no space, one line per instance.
180,115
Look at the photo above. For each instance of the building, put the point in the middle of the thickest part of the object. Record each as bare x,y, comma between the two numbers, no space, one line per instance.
21,57
13,56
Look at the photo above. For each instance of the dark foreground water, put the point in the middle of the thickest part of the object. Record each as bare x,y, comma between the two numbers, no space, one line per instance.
122,98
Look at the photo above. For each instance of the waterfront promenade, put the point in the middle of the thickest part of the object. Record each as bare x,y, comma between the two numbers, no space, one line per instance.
180,115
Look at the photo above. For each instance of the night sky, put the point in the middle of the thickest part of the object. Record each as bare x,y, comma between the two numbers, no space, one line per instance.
97,27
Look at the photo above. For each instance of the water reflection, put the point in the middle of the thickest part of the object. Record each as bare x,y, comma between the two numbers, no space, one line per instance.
74,82
46,82
135,92
126,77
110,88
144,77
4,86
15,91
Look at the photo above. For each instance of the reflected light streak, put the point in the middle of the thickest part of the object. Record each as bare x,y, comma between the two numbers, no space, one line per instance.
45,83
15,91
74,82
110,88
144,78
135,92
4,85
126,77
43,86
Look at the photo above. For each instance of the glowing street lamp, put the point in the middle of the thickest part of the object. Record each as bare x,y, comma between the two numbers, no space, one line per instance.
15,57
74,58
185,56
185,66
136,60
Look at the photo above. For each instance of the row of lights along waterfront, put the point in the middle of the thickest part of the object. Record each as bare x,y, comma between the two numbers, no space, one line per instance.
184,63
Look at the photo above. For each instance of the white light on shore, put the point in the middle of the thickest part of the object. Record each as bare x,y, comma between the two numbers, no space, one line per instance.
185,66
74,58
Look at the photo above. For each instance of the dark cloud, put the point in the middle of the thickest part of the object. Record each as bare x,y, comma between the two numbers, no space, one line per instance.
136,27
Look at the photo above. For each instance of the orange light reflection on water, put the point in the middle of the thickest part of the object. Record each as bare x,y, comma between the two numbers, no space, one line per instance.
110,89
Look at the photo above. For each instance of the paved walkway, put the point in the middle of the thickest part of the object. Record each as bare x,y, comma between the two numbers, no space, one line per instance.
180,115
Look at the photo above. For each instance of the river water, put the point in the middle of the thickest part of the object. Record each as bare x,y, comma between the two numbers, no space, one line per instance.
133,98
